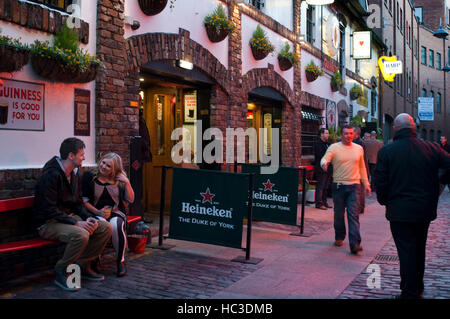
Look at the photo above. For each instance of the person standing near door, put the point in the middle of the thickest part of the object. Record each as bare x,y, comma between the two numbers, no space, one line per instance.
322,177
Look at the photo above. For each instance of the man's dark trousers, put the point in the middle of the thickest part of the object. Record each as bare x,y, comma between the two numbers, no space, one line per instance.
411,240
323,182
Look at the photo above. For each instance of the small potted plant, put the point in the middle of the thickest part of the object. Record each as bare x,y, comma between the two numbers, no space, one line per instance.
153,7
287,59
64,61
260,45
355,92
312,71
336,82
217,24
13,54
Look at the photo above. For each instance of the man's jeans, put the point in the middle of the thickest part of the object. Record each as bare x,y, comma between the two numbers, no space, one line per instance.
347,196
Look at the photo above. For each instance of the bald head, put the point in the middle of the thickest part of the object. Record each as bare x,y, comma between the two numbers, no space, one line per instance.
404,120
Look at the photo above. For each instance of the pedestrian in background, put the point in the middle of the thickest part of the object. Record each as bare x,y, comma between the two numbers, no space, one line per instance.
372,147
444,144
322,177
358,140
406,179
348,172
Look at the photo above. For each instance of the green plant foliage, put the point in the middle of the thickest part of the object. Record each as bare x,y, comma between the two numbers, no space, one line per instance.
356,89
66,39
5,40
336,79
356,121
66,50
259,41
312,67
219,20
287,54
334,136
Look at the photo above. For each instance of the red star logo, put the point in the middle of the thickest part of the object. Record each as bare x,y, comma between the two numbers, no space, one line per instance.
207,196
268,185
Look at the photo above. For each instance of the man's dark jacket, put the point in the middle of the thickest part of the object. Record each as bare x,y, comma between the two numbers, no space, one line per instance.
320,148
406,177
55,198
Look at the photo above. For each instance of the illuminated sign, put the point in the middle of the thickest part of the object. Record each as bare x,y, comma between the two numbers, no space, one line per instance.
362,45
333,35
389,67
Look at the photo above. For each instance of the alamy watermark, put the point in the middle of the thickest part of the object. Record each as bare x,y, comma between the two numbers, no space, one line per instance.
74,279
264,145
374,279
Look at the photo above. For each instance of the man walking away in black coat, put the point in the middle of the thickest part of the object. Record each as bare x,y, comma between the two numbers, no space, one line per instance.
406,179
322,177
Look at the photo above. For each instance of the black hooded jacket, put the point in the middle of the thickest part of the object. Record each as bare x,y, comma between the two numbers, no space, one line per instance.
55,198
406,177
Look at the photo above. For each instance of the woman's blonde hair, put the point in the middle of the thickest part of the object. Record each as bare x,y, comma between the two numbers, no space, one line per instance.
116,163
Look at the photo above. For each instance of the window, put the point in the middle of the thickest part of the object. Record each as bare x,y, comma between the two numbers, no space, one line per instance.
60,5
373,103
424,56
401,20
424,93
431,58
438,103
310,23
258,4
424,134
432,135
419,14
311,121
438,61
390,5
398,15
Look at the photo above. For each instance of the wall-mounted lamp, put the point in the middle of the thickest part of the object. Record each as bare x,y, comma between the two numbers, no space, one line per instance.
134,24
301,38
185,64
319,2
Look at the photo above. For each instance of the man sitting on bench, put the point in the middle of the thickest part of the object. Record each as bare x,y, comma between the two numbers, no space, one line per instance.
59,214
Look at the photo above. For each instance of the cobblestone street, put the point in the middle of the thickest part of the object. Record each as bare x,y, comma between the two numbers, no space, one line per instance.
196,271
437,267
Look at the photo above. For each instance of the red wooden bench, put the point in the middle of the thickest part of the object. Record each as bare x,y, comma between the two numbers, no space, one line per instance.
7,205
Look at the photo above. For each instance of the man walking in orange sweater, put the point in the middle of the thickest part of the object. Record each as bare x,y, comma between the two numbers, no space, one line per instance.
349,171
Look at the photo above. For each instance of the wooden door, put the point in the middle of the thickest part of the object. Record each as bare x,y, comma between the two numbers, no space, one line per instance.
160,109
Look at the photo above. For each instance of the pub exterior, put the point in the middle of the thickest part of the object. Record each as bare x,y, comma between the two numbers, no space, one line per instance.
162,61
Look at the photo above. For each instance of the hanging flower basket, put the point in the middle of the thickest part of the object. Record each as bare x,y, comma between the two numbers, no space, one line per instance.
152,7
335,87
217,24
213,36
13,58
355,92
259,54
311,76
354,96
285,64
55,70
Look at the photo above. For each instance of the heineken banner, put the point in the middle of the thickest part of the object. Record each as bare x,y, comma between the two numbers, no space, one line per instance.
275,195
208,206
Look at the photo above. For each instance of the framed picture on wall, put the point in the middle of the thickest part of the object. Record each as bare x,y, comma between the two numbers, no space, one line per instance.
331,114
190,107
82,108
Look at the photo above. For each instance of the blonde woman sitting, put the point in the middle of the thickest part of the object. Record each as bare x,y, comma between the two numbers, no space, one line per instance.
106,192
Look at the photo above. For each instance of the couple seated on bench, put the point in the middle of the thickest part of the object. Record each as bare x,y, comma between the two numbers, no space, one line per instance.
82,213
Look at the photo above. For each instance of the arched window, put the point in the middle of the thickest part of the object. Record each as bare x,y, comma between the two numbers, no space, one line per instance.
432,135
424,93
424,134
438,103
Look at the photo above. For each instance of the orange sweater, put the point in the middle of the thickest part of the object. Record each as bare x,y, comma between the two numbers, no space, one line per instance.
348,163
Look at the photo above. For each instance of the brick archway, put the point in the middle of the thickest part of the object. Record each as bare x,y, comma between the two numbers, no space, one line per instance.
150,47
267,77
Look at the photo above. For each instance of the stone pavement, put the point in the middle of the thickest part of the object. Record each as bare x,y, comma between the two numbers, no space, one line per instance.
437,263
292,266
